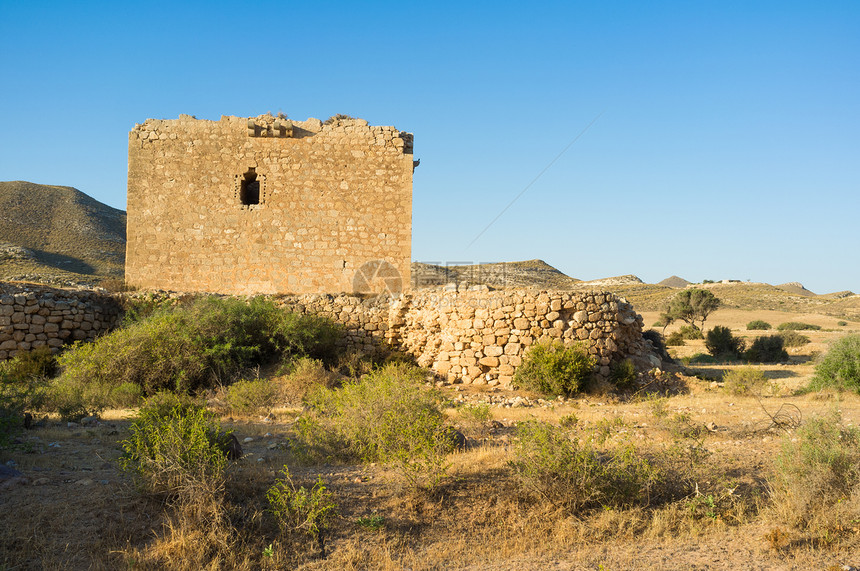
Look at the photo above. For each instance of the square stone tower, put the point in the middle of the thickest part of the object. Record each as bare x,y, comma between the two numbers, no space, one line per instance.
269,205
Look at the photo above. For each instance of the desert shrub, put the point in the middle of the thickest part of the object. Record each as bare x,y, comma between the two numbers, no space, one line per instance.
690,332
197,345
840,366
622,374
745,381
553,369
699,358
22,389
385,416
817,478
572,476
792,338
34,364
658,343
176,451
354,364
299,509
722,344
304,374
250,396
797,326
758,325
477,413
675,339
767,349
841,323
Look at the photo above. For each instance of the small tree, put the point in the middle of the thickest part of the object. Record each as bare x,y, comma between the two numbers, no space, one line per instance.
692,305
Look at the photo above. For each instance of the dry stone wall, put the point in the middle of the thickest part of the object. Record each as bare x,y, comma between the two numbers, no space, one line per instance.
269,205
480,336
32,316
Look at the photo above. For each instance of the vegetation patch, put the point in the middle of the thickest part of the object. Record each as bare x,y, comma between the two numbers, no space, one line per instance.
552,369
798,326
839,368
722,344
767,349
758,325
195,346
817,480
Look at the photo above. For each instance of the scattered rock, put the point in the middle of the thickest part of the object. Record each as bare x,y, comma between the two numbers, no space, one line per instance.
41,481
85,482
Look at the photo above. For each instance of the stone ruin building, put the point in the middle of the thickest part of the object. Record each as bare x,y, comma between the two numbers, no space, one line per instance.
269,205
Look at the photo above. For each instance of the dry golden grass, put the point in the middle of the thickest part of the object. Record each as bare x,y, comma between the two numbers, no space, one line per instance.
715,514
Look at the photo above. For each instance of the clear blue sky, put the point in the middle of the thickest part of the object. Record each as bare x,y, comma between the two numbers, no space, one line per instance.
727,143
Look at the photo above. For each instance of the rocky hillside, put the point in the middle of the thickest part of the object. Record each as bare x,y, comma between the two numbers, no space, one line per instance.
58,234
531,273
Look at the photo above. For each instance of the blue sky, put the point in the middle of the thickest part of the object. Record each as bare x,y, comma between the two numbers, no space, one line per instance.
726,145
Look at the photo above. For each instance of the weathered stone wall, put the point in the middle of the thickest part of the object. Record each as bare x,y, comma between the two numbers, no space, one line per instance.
32,316
481,336
332,202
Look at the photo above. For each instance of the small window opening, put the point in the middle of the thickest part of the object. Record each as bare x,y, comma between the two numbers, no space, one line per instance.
249,189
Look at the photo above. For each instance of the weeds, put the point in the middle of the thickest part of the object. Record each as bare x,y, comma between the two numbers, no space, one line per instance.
176,452
572,476
386,416
299,509
817,480
745,381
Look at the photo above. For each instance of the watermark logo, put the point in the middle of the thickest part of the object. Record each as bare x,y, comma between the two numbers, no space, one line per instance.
377,277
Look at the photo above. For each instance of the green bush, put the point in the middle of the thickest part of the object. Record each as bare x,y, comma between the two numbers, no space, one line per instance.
699,358
303,375
553,369
841,323
745,381
386,416
767,349
176,450
623,374
572,476
840,366
792,338
197,345
35,364
817,479
758,325
798,326
300,509
675,339
722,344
250,396
691,332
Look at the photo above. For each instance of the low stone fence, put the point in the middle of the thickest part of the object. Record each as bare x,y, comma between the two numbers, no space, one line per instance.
480,336
475,336
35,315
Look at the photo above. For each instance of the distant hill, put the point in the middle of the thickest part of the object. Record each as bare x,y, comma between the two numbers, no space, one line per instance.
616,281
674,281
530,273
58,234
796,288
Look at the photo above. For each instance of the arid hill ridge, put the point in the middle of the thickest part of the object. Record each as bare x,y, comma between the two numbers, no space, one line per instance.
58,234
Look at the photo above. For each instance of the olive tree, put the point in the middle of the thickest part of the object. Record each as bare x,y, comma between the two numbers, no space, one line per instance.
691,305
